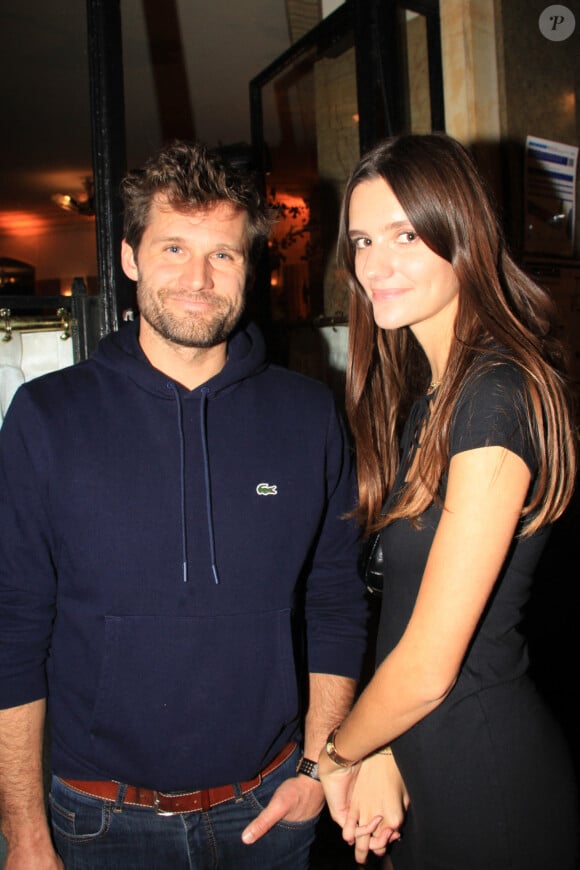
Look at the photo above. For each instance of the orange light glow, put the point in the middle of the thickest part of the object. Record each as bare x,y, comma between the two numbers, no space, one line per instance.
291,226
568,101
21,223
291,201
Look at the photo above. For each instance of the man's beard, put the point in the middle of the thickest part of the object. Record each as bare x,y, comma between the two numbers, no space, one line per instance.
199,329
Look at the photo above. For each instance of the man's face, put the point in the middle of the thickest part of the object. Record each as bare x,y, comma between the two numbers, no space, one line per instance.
190,270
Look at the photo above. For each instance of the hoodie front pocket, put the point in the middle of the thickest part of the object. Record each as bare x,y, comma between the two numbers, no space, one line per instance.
192,702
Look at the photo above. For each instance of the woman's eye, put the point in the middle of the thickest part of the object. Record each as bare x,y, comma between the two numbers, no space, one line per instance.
361,243
408,236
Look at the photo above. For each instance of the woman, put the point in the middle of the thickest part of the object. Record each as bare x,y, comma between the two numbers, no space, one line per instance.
457,399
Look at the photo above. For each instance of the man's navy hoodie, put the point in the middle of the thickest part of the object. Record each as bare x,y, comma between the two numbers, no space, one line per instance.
157,548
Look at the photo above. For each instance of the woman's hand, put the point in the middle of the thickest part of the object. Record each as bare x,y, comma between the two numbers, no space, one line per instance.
368,801
377,809
378,803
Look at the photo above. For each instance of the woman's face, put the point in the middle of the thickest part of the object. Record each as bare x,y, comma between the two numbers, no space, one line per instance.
407,283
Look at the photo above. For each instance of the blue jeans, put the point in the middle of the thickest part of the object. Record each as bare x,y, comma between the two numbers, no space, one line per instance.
90,834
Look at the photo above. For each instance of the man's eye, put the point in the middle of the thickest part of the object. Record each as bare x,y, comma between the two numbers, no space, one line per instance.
221,255
173,249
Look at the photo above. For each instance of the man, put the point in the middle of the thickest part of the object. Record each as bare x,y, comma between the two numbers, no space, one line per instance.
174,548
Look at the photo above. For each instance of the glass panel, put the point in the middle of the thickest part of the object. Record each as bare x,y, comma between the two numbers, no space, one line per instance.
46,149
417,63
311,138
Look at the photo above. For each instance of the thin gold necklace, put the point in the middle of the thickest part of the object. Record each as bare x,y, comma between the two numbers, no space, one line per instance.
433,386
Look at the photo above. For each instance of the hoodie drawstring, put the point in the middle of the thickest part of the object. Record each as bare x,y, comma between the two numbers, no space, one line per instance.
182,478
208,504
207,480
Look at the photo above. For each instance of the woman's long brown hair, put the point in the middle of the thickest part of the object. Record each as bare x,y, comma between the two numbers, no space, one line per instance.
499,309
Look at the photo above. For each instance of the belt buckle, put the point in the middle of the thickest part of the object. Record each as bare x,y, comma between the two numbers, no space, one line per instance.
156,804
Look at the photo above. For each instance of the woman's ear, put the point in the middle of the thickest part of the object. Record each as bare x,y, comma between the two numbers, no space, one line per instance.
128,261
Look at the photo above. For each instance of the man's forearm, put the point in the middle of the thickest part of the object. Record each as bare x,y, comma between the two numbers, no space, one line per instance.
330,699
22,804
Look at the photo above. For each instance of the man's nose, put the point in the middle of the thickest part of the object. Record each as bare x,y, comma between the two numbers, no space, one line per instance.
197,273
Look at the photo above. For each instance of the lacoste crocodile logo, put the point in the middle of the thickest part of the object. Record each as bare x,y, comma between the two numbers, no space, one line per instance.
267,489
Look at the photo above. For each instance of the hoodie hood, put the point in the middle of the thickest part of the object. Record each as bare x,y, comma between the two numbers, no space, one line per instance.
121,351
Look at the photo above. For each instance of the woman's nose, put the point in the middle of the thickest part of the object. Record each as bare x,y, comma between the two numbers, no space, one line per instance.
378,261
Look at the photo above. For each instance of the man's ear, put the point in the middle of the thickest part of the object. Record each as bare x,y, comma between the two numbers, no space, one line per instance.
128,261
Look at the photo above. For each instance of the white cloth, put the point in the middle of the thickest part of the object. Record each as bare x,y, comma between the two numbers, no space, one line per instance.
26,356
11,374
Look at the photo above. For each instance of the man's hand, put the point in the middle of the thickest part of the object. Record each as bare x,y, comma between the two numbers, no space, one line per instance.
295,800
35,854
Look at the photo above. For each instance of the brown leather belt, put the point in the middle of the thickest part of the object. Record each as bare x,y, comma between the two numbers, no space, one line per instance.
177,802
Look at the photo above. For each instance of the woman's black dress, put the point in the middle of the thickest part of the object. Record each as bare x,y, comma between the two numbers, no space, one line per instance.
489,773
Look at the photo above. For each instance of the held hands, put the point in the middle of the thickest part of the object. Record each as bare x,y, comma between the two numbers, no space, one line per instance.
295,800
377,809
368,801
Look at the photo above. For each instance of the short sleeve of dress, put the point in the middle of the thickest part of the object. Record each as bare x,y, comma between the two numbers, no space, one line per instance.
492,412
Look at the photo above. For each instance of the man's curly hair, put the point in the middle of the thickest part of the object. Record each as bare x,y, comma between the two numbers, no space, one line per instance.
193,177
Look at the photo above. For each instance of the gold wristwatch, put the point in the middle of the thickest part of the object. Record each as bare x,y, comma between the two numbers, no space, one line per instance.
333,754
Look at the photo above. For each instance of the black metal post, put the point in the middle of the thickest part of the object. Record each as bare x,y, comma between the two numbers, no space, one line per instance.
109,153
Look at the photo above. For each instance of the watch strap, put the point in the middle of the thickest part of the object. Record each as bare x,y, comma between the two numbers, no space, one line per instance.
308,768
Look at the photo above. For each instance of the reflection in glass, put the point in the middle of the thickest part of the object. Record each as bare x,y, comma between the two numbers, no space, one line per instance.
311,138
417,65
